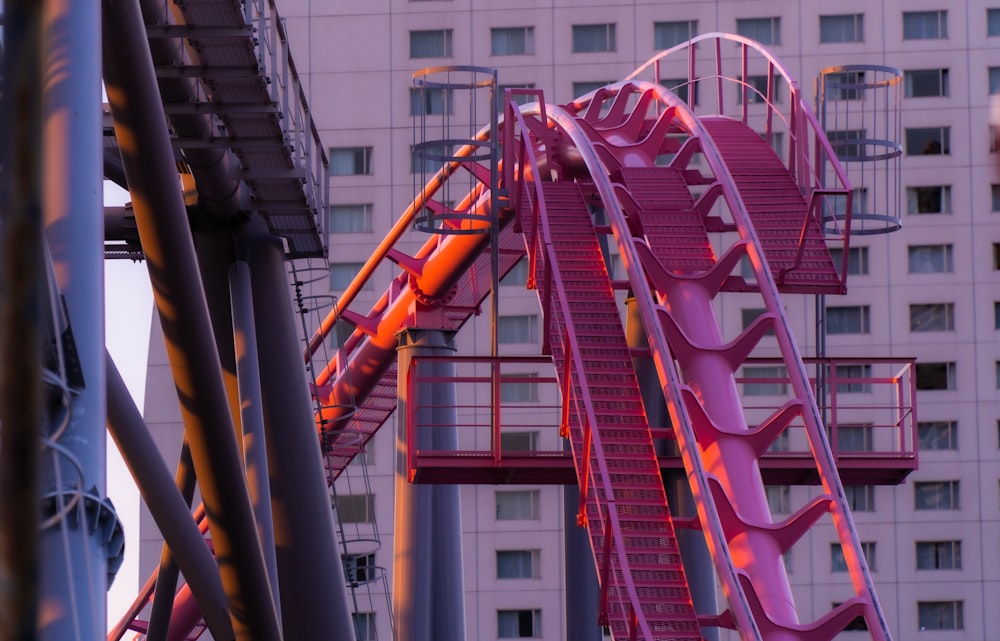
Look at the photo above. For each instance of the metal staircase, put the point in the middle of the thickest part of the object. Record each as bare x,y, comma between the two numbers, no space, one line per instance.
623,503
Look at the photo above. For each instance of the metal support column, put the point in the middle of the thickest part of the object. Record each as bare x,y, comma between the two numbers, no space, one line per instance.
169,510
82,530
583,592
251,413
314,599
148,158
698,566
428,588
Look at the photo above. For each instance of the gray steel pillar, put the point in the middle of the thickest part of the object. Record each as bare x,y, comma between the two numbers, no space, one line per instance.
251,412
698,566
161,218
23,281
583,591
76,543
428,588
314,597
168,508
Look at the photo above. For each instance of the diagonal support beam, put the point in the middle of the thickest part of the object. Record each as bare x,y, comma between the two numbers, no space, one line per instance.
180,300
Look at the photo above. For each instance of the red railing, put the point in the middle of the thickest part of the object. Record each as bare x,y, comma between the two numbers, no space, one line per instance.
811,159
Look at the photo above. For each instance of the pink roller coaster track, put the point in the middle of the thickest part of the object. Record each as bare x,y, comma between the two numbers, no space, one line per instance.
690,194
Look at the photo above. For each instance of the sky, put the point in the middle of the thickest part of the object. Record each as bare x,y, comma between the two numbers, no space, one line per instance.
128,308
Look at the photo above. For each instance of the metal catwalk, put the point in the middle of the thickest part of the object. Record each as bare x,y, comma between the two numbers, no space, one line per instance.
666,192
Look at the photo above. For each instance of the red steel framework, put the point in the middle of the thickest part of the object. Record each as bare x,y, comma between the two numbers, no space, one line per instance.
689,194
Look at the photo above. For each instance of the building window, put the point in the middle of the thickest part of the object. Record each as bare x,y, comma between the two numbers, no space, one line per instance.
519,388
860,498
995,198
935,495
778,498
519,624
996,256
430,101
590,38
669,34
857,260
756,88
939,555
364,626
845,143
928,200
925,25
585,87
341,275
359,568
940,615
928,141
935,376
350,219
772,380
996,315
350,161
355,508
521,505
852,319
993,79
430,44
518,564
854,438
857,625
845,85
993,22
519,441
681,88
839,564
925,83
517,98
932,317
750,314
859,203
517,329
766,31
518,274
780,443
930,259
842,28
512,41
431,158
937,435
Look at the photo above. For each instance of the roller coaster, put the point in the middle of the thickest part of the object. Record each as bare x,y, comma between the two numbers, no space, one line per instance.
665,192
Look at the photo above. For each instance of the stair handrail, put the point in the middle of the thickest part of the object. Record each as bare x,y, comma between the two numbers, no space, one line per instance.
802,125
576,359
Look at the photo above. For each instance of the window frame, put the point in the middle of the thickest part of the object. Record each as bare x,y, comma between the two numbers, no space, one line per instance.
360,155
938,17
914,79
939,555
581,33
771,24
446,49
510,34
928,379
348,507
350,211
946,260
930,434
533,557
535,623
920,200
531,496
853,32
922,137
850,319
924,317
660,27
937,496
530,330
929,620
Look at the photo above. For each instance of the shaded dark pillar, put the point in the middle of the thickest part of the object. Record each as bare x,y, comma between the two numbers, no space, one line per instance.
428,586
698,566
314,592
583,592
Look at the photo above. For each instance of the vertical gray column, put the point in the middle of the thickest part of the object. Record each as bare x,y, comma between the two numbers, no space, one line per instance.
428,587
74,548
583,592
251,412
698,566
314,600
